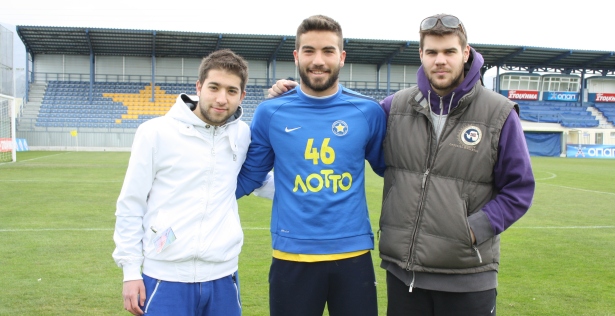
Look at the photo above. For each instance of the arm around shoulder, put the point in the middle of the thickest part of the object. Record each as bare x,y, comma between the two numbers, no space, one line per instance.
259,158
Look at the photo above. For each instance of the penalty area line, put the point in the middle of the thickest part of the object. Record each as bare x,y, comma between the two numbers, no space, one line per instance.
577,189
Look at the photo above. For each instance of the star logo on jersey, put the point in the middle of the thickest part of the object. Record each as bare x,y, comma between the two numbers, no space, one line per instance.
471,135
339,128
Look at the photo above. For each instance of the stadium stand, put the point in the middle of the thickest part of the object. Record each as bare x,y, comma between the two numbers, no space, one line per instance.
118,104
128,104
118,57
568,114
377,94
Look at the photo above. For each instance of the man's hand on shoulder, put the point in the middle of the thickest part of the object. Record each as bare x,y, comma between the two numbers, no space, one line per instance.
280,87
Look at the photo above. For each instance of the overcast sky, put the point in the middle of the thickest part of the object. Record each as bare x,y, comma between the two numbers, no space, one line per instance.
580,25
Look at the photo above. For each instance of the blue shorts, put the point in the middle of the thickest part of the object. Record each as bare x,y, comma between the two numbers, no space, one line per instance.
213,298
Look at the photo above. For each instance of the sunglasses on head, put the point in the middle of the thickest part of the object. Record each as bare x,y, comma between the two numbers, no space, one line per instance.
449,21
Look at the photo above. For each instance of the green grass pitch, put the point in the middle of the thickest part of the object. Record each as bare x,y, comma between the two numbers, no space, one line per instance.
57,218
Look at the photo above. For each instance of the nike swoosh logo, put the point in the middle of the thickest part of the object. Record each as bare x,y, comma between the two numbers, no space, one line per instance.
288,130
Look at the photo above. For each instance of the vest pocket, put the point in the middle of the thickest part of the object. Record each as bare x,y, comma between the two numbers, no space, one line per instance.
395,243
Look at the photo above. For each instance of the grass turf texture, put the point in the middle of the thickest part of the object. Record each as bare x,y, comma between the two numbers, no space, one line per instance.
57,219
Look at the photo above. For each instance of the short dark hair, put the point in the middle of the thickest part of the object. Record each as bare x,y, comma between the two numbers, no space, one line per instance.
440,30
319,23
225,59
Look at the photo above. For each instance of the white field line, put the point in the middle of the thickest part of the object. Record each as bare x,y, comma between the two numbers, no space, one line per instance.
17,230
560,227
9,230
577,189
22,161
60,181
553,176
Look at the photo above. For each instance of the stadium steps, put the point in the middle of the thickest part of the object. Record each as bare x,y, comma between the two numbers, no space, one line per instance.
600,117
27,118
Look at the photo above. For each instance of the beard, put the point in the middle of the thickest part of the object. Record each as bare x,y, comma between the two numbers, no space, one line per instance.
319,85
444,86
213,119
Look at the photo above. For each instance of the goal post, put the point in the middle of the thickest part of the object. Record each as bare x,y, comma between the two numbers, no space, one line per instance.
8,141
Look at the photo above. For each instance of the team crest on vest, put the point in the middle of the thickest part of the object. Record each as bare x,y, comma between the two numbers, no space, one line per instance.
339,128
471,135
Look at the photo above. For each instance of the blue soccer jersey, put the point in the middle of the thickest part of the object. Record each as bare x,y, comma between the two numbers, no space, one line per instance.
317,148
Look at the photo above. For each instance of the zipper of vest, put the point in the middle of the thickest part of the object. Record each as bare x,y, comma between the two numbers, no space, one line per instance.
424,178
411,283
425,175
480,259
420,208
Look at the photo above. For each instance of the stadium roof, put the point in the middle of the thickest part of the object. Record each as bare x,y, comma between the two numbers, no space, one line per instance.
99,41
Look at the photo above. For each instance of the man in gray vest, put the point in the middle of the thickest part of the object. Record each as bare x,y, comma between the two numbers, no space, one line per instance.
458,174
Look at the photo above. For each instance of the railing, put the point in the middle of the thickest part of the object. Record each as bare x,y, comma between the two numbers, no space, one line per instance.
47,77
394,86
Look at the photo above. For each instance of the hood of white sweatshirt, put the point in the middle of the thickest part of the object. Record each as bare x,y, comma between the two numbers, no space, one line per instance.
185,104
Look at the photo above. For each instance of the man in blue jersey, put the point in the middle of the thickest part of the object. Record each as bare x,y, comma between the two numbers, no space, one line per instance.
458,175
317,138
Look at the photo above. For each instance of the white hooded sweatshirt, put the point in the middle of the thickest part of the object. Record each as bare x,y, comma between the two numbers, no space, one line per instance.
181,181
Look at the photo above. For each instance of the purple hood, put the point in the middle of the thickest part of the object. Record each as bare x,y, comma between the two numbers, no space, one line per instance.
472,75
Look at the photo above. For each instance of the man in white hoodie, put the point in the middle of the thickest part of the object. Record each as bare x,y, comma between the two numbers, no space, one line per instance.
177,231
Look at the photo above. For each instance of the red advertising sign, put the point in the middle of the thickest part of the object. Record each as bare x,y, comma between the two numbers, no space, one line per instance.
605,97
523,95
6,144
